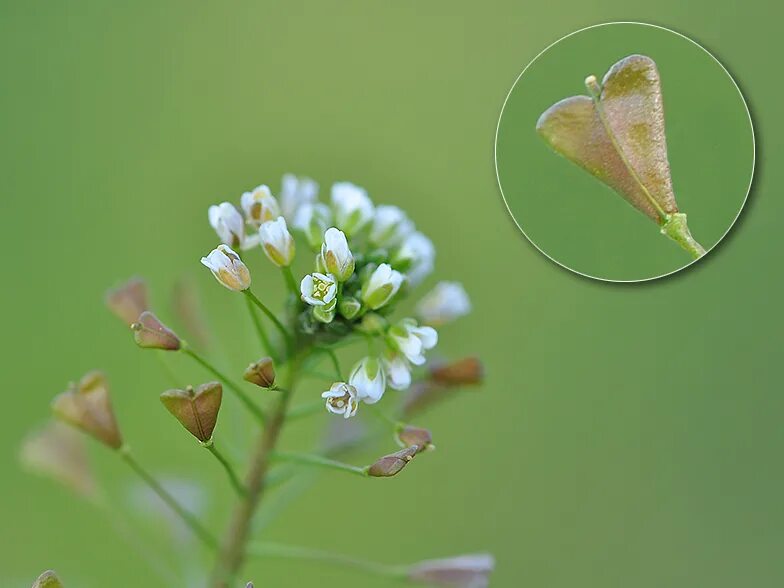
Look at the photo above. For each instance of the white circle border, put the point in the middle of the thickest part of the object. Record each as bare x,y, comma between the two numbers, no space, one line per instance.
753,144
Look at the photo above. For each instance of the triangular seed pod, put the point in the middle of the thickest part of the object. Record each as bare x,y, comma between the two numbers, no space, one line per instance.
197,410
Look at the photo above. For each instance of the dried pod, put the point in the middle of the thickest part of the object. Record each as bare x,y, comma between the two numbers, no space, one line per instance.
617,135
48,580
410,436
466,371
88,407
58,452
391,464
261,373
128,301
464,571
197,410
149,332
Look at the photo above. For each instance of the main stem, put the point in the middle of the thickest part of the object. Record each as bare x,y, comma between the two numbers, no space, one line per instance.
231,555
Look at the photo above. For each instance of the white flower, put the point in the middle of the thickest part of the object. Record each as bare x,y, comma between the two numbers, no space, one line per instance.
337,256
260,206
444,303
416,256
382,285
353,209
390,226
277,242
398,372
227,267
228,223
294,193
312,219
412,341
369,380
342,399
318,289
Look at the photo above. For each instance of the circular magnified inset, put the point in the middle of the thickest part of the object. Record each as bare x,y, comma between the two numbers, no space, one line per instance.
625,152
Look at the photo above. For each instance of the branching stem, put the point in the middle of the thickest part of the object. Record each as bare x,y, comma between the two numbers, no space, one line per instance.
310,459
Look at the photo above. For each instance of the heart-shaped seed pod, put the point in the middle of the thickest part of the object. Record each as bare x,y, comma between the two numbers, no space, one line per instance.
197,410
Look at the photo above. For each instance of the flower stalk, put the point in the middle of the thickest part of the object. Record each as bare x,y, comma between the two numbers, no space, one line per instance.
233,478
309,459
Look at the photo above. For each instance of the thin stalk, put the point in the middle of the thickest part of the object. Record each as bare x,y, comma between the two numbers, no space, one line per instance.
260,330
290,281
270,315
231,555
375,410
334,359
188,518
233,386
233,478
310,459
273,550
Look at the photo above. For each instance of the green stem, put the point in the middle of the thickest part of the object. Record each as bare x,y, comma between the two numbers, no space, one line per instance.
396,425
310,459
233,478
188,518
317,555
290,281
677,230
270,316
260,330
334,359
234,387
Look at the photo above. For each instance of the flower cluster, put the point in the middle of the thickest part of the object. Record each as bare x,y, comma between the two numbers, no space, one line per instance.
366,259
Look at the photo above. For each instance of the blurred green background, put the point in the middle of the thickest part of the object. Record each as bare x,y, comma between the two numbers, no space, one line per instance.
626,435
579,221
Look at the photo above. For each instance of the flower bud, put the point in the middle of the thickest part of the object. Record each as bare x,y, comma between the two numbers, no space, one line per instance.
466,371
277,242
228,268
325,314
373,324
294,194
369,380
464,571
318,289
48,580
197,410
412,341
443,304
390,226
313,219
259,206
381,286
398,371
353,209
149,332
336,254
342,398
391,464
261,373
349,307
228,223
415,257
128,301
87,406
410,436
57,451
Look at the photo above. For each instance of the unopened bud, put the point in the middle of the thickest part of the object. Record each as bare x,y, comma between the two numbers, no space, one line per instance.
325,314
197,410
466,371
87,406
48,580
149,332
464,571
349,307
261,373
391,464
128,301
410,436
373,324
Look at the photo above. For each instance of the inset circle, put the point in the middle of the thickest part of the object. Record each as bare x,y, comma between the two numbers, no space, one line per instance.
617,143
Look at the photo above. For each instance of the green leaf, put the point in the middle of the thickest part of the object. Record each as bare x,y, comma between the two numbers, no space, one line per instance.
617,135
